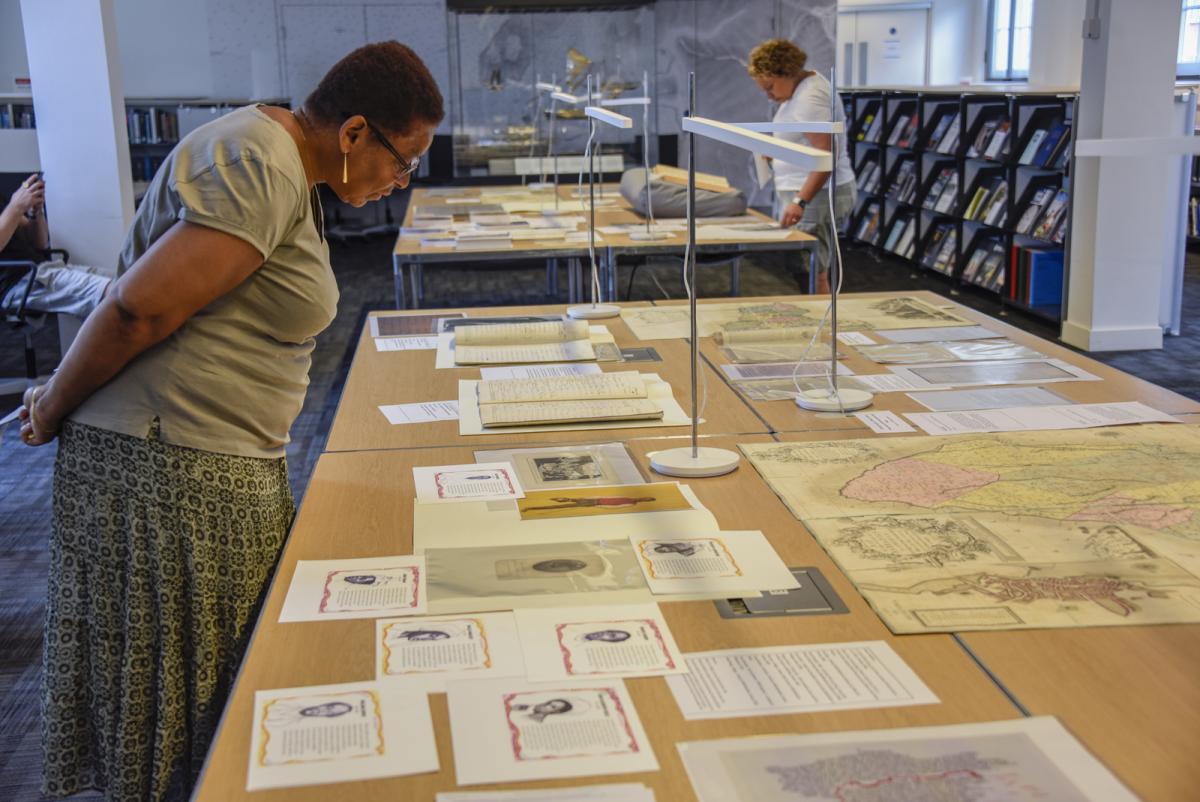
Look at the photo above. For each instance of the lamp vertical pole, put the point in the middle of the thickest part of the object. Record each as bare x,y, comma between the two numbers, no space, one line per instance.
694,461
691,265
646,149
592,198
835,253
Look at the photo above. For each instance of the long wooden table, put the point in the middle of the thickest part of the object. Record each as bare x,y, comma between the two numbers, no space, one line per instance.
359,504
410,255
785,416
1130,694
400,377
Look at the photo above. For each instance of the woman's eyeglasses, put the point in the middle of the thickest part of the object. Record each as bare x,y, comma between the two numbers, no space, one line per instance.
403,166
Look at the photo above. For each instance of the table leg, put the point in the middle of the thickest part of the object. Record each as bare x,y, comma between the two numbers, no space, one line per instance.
571,289
414,273
554,278
812,271
610,259
735,276
398,282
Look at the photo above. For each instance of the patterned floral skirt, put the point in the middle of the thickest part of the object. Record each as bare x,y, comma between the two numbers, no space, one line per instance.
159,558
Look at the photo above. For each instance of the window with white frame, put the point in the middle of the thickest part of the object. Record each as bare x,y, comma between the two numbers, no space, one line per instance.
1010,33
1187,63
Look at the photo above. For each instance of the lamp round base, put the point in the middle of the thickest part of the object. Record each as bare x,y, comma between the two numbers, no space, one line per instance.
707,462
593,311
646,236
825,401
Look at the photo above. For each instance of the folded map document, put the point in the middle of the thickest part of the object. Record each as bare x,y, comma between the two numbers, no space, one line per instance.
574,402
521,343
565,399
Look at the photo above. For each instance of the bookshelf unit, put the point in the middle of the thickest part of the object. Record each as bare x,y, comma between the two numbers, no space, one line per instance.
973,184
155,125
18,135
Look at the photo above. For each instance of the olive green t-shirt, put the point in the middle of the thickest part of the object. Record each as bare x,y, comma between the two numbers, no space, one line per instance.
232,378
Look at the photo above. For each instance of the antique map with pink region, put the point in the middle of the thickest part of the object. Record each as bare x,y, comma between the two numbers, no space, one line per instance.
1006,531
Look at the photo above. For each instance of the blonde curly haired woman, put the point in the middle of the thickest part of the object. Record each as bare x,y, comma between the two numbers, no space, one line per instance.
801,196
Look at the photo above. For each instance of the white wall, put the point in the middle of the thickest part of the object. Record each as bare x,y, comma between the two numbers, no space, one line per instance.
956,41
1057,49
164,48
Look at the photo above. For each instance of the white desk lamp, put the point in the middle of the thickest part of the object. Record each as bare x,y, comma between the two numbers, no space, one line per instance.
558,96
832,398
644,101
539,88
596,309
694,461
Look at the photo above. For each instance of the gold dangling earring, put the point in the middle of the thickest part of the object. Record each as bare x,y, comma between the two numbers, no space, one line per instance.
345,173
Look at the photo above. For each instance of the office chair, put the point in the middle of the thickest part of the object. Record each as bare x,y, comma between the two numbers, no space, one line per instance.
20,319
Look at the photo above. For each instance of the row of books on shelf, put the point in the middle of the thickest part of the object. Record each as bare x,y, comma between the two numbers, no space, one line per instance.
941,248
902,237
944,138
989,202
144,167
868,129
869,174
904,130
869,222
1034,274
943,192
17,115
904,184
1048,147
989,139
1046,216
1194,216
151,126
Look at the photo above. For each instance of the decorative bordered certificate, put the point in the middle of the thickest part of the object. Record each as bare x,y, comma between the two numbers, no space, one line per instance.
728,562
426,652
510,730
338,733
611,641
371,587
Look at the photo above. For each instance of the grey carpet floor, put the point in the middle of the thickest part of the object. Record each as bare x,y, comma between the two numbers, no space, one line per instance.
364,276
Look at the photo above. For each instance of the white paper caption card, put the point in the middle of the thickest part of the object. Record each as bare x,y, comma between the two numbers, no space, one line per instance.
775,680
338,733
405,343
629,640
511,730
488,481
717,563
422,412
423,653
609,792
370,587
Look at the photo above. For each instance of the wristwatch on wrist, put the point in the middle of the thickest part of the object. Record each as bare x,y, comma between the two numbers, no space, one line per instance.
799,201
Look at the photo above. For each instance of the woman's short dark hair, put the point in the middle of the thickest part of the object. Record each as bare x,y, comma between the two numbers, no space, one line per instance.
386,82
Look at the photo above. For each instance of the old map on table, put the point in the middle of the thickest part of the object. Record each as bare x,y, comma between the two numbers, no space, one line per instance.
1006,531
854,314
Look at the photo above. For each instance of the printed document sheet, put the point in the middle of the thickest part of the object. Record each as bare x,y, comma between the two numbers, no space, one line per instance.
714,562
988,398
338,733
609,792
613,641
488,481
423,653
367,587
796,679
1025,419
512,730
420,412
1021,760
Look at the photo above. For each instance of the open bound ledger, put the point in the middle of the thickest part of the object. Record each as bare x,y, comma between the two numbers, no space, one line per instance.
502,343
566,399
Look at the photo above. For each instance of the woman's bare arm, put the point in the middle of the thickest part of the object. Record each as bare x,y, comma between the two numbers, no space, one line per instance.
189,267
